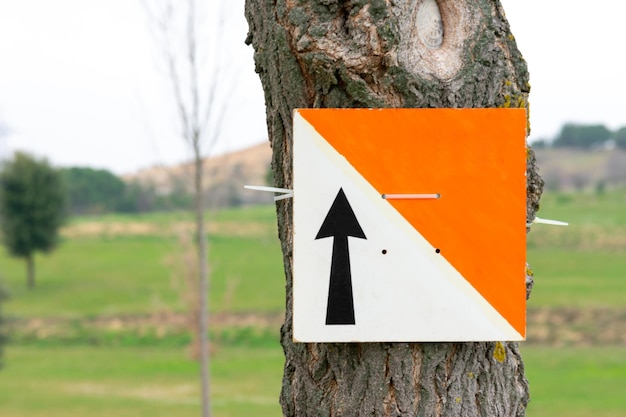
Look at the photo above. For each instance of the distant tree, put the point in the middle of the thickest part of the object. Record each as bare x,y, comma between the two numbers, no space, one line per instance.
142,198
32,208
3,297
93,191
96,191
582,136
541,144
193,54
619,137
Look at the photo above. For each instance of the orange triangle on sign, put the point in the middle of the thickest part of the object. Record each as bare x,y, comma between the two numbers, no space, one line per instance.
475,159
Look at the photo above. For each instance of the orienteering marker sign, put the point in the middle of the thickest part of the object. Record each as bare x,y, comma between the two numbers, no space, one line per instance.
409,225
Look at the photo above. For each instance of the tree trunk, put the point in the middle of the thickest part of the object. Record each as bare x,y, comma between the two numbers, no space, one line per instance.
30,271
203,282
378,53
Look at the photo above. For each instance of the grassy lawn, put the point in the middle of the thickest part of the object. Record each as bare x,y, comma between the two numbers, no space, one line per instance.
566,278
120,265
112,273
87,277
583,264
576,382
597,223
131,382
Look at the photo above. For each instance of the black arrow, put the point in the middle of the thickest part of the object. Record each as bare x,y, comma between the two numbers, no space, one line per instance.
340,222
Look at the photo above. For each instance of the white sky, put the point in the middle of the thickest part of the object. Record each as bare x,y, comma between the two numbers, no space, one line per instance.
80,81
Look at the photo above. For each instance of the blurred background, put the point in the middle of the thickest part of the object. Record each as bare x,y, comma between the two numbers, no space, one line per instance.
90,87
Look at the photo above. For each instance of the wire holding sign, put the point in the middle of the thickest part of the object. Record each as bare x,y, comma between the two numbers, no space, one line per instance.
286,193
547,221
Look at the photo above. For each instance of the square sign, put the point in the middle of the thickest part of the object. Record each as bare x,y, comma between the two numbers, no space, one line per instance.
409,225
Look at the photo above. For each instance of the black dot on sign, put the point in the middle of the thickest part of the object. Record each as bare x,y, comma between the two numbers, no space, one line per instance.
437,250
384,251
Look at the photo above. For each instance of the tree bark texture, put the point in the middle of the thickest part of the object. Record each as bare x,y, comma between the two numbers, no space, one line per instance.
358,53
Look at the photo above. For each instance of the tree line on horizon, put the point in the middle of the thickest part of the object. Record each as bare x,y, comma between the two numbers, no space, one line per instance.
97,191
585,137
92,191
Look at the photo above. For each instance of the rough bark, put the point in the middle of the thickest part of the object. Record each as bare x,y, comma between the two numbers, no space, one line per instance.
357,53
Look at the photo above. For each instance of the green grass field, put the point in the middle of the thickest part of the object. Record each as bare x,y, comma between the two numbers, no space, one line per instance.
125,265
130,382
577,381
583,264
157,381
112,273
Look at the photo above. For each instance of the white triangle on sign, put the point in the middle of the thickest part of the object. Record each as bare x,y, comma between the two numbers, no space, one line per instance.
403,289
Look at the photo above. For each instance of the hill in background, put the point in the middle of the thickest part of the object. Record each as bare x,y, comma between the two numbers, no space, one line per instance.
568,169
224,177
563,169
